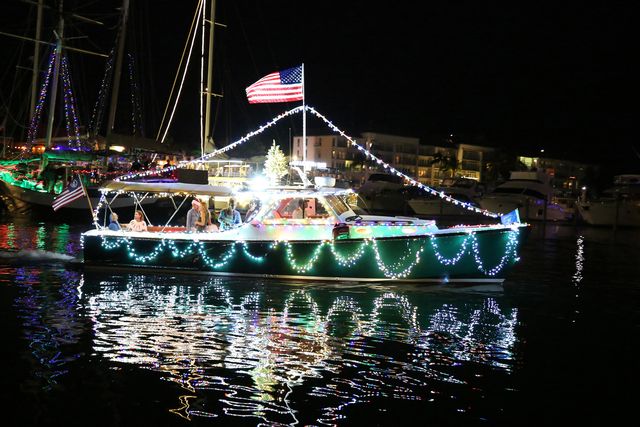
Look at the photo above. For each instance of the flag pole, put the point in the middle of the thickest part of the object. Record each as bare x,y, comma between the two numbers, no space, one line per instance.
86,194
304,127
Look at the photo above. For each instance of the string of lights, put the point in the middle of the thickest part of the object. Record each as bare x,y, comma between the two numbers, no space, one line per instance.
35,120
335,129
98,110
70,111
398,269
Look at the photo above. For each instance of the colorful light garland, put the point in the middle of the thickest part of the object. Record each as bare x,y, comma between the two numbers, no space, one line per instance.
399,269
70,112
35,120
98,110
136,109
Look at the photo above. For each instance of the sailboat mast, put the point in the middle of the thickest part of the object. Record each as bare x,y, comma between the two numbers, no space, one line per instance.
304,127
36,61
209,88
56,73
118,70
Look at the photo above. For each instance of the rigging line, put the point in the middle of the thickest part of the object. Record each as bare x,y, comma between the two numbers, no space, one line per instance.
84,35
147,85
17,53
88,4
17,83
191,36
8,114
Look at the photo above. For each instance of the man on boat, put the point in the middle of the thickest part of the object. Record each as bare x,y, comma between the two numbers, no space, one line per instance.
229,217
193,216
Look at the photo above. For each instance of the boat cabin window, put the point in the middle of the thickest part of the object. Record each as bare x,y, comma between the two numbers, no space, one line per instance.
525,192
298,208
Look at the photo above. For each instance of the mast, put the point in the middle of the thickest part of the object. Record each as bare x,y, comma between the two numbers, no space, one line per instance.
304,127
209,88
56,72
59,33
36,61
118,68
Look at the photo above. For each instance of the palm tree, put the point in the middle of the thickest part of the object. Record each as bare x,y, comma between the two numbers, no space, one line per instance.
500,166
445,162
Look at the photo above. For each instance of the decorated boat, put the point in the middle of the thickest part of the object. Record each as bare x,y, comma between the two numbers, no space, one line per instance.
26,186
329,242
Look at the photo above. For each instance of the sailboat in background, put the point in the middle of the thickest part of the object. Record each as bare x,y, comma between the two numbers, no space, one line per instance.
34,173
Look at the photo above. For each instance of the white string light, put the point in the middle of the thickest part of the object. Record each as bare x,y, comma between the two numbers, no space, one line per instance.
335,129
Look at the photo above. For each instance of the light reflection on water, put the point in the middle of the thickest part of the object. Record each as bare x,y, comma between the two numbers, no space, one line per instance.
184,349
247,346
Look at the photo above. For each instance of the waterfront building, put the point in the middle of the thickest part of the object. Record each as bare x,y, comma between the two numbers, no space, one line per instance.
567,177
430,164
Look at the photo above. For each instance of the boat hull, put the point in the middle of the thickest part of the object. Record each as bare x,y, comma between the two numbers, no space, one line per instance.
19,200
483,256
611,212
529,208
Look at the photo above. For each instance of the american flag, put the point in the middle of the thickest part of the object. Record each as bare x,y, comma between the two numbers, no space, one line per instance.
74,191
281,86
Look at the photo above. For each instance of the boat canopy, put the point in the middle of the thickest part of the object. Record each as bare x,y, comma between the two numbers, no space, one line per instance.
53,156
166,187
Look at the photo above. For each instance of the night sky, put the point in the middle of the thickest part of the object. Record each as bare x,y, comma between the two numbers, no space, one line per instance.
521,76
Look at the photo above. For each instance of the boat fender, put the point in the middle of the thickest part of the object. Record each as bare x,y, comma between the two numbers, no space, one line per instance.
340,231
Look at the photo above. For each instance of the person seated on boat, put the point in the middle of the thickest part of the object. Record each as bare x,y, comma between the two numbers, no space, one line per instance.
48,176
193,216
229,218
204,224
254,207
114,225
298,213
137,223
136,166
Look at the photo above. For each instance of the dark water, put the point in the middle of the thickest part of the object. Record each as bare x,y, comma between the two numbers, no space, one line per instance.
554,345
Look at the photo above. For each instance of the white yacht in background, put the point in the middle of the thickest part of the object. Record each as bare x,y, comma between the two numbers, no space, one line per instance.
620,204
383,193
531,193
466,190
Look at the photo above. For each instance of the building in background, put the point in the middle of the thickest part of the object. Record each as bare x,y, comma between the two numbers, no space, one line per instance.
568,177
429,164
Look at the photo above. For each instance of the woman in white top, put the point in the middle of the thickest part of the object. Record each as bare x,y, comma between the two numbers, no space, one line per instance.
137,223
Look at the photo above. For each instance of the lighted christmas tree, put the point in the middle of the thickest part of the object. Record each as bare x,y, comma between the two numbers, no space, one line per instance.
276,165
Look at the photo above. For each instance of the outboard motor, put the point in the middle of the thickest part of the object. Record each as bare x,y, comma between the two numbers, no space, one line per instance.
340,231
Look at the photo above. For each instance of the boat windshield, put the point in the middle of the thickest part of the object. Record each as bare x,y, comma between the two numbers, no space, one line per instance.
337,204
